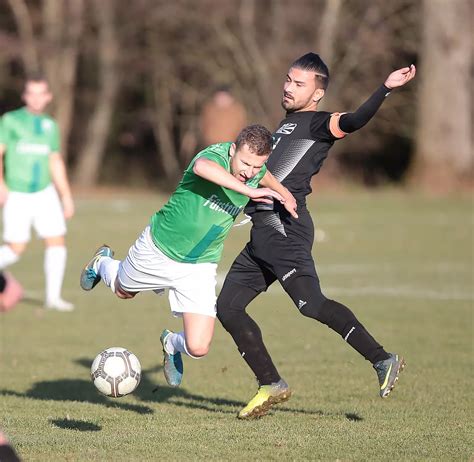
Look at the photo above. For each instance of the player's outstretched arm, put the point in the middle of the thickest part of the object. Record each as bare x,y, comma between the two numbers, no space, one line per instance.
211,171
350,122
400,77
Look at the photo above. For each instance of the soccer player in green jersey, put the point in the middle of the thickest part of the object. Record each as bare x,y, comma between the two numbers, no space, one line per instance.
34,176
181,247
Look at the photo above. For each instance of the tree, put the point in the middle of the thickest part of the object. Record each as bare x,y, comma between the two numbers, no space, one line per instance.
98,127
444,138
54,51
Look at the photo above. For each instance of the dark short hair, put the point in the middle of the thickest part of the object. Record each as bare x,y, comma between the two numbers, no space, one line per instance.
257,138
36,77
313,62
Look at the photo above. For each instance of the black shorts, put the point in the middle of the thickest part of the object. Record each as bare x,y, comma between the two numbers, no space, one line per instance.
279,248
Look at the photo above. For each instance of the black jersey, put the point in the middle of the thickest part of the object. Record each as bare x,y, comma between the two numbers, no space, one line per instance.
301,144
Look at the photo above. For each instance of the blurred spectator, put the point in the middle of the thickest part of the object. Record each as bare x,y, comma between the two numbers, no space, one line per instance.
11,292
7,453
222,117
34,188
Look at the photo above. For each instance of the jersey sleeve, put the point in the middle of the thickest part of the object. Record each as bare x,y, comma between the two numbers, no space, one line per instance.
334,126
55,142
325,126
216,155
261,173
4,130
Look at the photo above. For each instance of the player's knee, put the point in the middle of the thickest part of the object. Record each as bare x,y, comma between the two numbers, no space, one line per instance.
313,310
320,310
56,241
197,349
225,316
17,249
232,302
118,290
123,294
308,298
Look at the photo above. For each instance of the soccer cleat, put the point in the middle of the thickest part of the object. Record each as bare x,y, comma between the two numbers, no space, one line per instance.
266,397
387,372
172,364
90,274
12,293
59,305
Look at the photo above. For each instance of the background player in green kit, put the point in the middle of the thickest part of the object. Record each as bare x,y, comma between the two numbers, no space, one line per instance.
180,248
34,175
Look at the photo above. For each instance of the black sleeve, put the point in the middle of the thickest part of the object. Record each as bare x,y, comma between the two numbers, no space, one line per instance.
352,121
320,126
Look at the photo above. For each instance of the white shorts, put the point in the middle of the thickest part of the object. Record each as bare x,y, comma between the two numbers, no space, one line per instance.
192,286
42,210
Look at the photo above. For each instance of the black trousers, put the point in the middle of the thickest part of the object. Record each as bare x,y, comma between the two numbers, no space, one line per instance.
280,249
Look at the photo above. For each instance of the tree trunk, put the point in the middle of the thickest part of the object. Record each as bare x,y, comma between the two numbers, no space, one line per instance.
61,56
161,70
90,158
24,24
444,143
328,30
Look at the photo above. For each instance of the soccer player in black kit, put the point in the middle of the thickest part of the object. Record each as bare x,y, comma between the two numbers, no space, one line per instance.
280,246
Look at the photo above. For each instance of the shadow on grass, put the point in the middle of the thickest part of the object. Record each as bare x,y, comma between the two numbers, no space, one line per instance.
80,425
84,391
32,299
148,391
74,390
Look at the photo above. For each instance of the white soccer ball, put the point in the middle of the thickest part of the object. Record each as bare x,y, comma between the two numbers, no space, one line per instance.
116,372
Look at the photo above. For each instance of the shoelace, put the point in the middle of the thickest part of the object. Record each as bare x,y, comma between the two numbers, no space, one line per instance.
381,371
91,273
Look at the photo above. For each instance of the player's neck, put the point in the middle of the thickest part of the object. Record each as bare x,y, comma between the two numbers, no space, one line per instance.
33,112
299,111
309,108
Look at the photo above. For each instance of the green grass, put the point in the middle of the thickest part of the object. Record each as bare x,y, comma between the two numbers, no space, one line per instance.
402,262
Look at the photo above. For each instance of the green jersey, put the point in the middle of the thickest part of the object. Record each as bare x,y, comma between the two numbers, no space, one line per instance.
28,139
192,226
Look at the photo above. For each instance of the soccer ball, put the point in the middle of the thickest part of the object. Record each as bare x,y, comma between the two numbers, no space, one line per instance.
116,372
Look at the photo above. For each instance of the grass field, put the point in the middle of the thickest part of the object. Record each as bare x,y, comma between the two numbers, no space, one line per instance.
404,264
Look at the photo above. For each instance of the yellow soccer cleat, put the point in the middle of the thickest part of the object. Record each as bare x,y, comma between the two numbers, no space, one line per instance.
266,397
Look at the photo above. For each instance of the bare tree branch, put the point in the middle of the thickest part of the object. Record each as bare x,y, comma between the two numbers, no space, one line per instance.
25,29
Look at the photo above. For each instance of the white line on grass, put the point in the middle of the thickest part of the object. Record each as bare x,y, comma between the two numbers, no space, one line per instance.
399,291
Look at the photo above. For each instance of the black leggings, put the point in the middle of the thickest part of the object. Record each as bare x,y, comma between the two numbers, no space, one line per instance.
306,294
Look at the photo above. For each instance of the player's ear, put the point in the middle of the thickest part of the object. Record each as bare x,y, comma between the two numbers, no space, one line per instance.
232,149
318,95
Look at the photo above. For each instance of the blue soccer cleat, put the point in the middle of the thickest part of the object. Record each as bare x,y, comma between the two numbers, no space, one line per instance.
90,274
172,364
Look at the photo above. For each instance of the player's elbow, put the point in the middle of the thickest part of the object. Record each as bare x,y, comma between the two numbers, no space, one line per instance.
199,166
